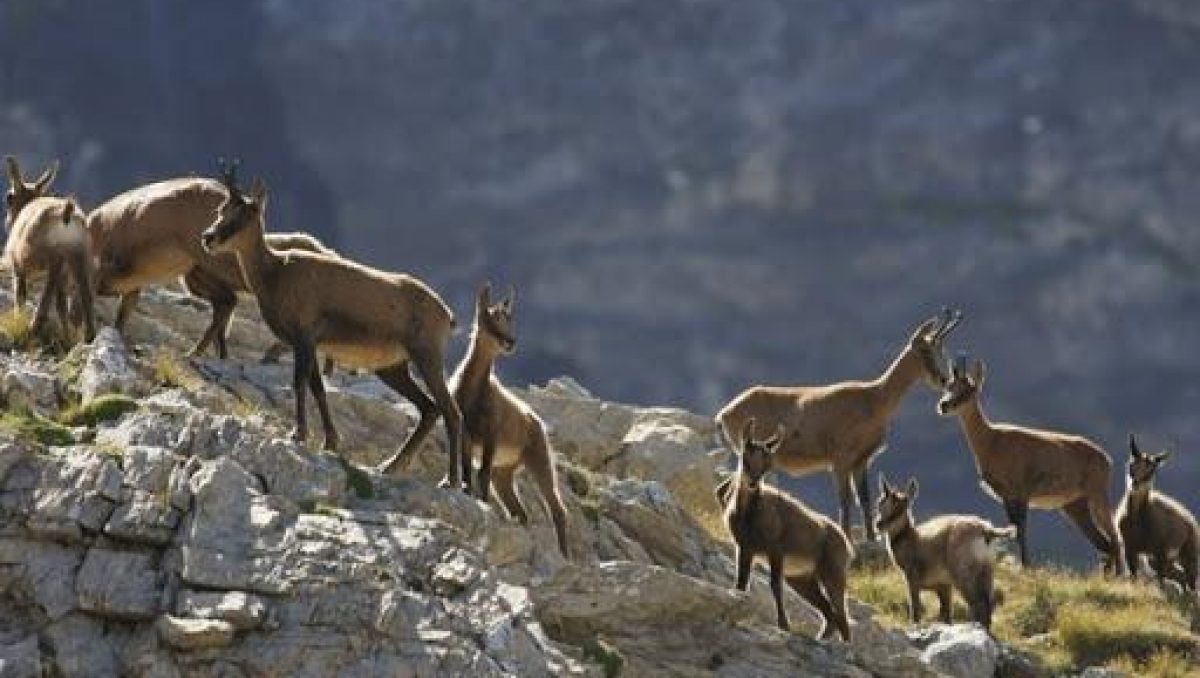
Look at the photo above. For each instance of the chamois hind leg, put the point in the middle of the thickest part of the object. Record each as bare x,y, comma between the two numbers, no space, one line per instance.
53,280
60,308
429,366
842,483
129,300
1018,513
833,579
302,355
945,603
402,382
222,303
505,482
810,590
1102,515
863,485
1189,561
81,271
1078,513
540,464
20,290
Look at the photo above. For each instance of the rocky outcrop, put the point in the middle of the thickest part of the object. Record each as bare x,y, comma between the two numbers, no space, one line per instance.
190,538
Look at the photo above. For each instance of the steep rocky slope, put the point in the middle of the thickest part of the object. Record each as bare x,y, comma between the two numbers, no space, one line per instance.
187,537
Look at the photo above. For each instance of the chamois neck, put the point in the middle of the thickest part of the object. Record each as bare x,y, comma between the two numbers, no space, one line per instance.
1139,495
975,425
899,377
901,530
256,258
481,356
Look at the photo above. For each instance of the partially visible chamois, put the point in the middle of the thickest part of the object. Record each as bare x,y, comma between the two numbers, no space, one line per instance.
943,554
800,545
359,316
841,427
1154,524
47,235
504,431
1023,467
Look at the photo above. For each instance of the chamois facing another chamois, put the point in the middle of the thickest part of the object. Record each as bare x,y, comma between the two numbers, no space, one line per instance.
47,234
1154,524
841,427
1023,467
800,545
504,431
942,554
359,316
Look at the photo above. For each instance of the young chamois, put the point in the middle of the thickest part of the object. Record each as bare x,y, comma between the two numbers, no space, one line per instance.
941,554
841,427
47,234
150,235
505,432
1155,524
359,316
220,283
1023,467
800,545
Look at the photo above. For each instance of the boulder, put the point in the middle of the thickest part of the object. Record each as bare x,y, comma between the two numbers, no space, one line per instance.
123,585
107,368
194,634
243,610
963,650
21,659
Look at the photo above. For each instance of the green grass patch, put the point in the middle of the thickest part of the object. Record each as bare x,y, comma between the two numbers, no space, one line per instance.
611,661
171,371
32,427
16,328
108,407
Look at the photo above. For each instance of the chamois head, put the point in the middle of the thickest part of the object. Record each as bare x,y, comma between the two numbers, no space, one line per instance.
928,343
963,386
494,322
756,456
20,192
893,505
238,218
1143,466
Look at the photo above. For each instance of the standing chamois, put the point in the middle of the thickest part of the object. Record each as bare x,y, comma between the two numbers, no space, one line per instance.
1023,467
150,235
47,234
505,432
798,544
220,283
1155,524
841,427
359,316
942,554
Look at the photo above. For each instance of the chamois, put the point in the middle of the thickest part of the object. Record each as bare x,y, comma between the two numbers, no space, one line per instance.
942,554
150,235
1023,467
1155,524
800,545
505,432
841,427
220,283
47,234
359,316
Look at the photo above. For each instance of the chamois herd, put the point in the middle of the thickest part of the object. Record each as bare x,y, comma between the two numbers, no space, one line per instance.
210,235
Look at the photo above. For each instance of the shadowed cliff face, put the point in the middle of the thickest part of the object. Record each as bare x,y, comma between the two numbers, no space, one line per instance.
697,196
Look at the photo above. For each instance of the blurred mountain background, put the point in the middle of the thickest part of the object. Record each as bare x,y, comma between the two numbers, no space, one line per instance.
693,195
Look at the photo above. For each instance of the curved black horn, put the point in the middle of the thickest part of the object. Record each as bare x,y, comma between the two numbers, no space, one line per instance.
952,319
960,364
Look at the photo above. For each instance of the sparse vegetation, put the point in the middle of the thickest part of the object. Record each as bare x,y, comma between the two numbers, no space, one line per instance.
171,371
1069,620
34,427
108,407
15,328
604,654
582,484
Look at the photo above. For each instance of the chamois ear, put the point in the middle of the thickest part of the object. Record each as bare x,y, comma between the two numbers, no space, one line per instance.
884,487
483,298
911,490
926,329
43,182
747,432
510,298
68,211
258,192
1133,447
978,373
1161,458
14,171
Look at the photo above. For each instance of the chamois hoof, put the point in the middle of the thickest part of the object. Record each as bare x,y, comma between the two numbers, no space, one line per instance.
299,435
445,484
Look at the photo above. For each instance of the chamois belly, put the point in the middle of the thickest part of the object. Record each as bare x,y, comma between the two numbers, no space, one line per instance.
1053,500
365,354
798,566
147,267
506,455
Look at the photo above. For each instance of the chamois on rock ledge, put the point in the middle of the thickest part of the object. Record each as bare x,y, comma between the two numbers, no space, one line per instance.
505,432
800,545
357,315
841,427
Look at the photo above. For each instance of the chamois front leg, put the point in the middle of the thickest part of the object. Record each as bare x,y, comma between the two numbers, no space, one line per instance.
1018,512
776,563
488,455
945,603
915,610
865,506
744,560
842,483
317,384
20,290
53,281
302,359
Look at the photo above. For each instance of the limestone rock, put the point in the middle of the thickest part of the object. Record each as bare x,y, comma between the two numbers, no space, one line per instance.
194,634
119,584
21,659
107,368
29,388
243,610
76,493
963,650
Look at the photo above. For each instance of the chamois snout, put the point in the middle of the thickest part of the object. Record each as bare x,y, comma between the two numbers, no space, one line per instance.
208,238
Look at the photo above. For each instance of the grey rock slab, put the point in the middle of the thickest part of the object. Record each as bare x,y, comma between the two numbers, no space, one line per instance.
21,659
194,634
243,610
122,585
